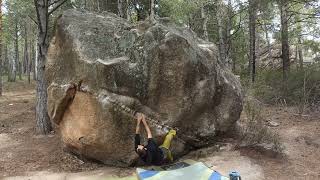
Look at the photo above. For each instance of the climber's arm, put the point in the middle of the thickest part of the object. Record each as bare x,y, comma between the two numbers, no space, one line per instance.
139,118
146,127
137,136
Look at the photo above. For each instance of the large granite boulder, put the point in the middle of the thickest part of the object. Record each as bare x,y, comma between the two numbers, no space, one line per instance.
99,64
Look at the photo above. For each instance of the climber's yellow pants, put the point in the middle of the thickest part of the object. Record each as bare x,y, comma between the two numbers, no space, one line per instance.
167,142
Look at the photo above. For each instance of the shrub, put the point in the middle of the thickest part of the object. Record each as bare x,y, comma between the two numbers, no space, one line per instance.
303,87
253,130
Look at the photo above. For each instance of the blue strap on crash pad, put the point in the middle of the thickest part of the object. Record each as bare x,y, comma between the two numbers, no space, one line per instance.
215,176
147,174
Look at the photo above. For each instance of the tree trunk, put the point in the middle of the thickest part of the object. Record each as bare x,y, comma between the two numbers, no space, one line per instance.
5,59
86,5
34,62
296,54
16,59
128,10
152,6
252,39
1,62
233,66
122,8
26,54
98,6
258,41
102,5
112,6
30,53
285,41
20,69
9,63
25,63
267,39
204,17
143,9
300,53
222,46
1,65
43,124
228,37
299,46
91,5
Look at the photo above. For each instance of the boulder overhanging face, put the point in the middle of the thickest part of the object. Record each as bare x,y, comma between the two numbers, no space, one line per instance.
157,68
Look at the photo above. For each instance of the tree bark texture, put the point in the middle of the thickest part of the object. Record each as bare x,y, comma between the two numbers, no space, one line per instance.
34,60
26,54
1,57
204,17
300,53
228,37
220,14
152,6
123,8
112,6
267,39
299,46
252,39
128,10
16,56
9,64
285,40
43,124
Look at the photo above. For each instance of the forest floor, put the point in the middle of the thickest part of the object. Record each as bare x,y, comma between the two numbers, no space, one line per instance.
25,155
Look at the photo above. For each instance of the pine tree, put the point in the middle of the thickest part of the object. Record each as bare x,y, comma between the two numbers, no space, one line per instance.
43,125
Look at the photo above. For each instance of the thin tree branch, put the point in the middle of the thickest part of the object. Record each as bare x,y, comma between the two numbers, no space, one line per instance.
52,2
239,12
33,20
57,6
236,31
305,14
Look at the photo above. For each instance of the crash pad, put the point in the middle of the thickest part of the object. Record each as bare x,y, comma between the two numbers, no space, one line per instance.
197,171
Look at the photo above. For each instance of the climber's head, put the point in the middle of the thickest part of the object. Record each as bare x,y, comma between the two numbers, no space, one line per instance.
137,114
141,150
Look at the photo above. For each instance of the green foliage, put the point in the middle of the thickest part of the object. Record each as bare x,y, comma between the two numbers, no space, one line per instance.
314,46
303,86
177,10
19,12
239,51
269,85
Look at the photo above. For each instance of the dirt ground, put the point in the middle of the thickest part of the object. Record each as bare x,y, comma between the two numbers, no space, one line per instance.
25,155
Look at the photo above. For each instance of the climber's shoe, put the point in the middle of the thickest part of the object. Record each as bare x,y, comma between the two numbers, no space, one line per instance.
173,132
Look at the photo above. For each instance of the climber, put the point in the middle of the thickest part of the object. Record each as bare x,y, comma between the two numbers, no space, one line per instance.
152,154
